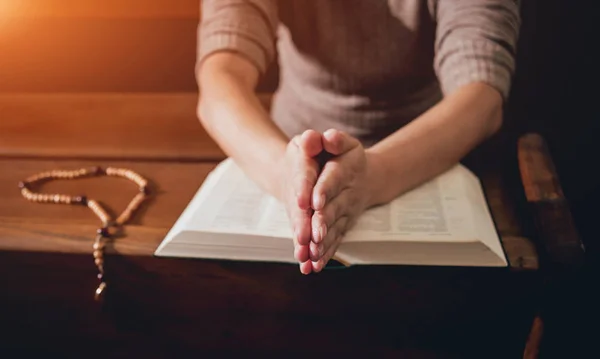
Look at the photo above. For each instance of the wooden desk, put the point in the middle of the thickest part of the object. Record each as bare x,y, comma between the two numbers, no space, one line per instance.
160,306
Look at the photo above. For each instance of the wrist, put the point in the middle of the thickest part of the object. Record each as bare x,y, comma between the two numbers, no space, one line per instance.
376,178
279,172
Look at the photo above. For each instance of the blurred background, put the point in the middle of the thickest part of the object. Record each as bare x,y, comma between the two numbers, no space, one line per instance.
150,46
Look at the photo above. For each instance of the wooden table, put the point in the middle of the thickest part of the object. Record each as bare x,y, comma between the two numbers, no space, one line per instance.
160,306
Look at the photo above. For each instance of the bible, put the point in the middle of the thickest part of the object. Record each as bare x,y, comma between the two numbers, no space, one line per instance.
444,222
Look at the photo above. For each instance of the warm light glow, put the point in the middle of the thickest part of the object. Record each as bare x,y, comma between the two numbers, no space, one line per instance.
7,7
8,10
99,8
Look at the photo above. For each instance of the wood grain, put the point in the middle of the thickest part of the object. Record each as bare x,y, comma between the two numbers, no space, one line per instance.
217,307
172,186
66,228
105,126
538,173
556,231
532,347
198,305
181,9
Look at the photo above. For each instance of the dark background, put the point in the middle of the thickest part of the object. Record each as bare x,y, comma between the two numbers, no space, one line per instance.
554,91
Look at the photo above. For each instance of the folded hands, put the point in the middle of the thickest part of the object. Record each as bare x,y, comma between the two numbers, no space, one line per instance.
323,199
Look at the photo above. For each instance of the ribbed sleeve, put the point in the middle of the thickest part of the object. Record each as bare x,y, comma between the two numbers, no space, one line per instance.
476,41
244,26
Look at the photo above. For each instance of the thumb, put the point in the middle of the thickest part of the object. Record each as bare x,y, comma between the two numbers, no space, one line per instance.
337,142
310,142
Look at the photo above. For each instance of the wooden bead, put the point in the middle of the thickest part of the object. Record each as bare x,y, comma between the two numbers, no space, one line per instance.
103,232
99,211
94,206
80,200
99,294
133,205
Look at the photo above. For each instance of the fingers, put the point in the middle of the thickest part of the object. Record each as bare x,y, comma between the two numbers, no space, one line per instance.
330,183
304,174
321,263
330,244
311,143
304,171
337,142
319,251
306,267
301,224
304,180
324,219
301,252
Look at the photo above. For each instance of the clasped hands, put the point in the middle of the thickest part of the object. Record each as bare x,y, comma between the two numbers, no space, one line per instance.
324,200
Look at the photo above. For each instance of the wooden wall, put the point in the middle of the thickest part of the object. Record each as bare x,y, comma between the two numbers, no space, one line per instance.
150,46
93,45
98,46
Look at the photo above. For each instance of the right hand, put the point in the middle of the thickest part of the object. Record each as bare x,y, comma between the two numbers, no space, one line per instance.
301,170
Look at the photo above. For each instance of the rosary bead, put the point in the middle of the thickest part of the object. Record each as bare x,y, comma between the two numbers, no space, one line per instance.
95,170
108,225
100,291
80,200
103,232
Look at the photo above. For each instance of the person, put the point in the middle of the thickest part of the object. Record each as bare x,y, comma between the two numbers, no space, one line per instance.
392,92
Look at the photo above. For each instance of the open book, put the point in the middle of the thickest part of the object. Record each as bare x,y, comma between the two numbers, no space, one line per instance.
443,222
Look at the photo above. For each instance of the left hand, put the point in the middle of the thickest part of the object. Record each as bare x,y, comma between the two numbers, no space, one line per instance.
341,194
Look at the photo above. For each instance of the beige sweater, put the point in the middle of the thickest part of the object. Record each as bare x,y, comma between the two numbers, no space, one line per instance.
367,67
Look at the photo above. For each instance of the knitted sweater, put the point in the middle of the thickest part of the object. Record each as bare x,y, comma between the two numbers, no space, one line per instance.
366,67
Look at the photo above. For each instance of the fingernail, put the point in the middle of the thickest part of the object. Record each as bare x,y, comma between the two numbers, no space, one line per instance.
322,232
301,270
320,201
316,234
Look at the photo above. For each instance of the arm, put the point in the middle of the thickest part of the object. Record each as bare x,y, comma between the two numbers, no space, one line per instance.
434,142
475,46
233,116
236,45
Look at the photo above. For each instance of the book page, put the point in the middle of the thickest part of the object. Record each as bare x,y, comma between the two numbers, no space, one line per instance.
235,204
443,209
482,217
274,220
438,210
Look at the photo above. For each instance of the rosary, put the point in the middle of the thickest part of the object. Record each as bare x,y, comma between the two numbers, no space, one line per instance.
109,226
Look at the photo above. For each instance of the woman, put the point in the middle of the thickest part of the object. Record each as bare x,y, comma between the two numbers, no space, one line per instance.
395,92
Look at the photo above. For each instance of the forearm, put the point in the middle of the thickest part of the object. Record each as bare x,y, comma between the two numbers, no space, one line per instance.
233,116
434,142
